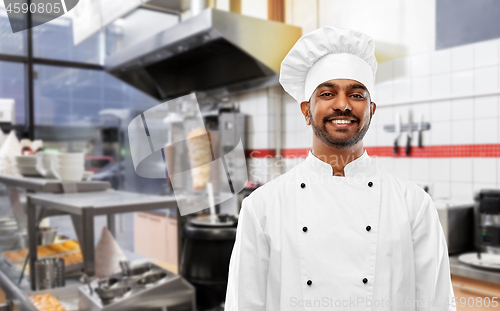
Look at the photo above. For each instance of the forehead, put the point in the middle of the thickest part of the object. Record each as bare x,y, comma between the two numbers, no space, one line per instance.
342,84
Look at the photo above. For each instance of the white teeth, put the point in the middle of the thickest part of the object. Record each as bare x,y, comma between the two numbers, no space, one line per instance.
340,121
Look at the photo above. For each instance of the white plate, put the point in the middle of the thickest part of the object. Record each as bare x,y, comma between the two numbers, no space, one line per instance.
488,261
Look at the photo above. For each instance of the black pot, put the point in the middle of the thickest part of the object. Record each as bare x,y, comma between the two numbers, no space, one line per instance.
205,258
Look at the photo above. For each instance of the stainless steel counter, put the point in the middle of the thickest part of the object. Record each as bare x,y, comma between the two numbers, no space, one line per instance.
19,293
461,269
83,207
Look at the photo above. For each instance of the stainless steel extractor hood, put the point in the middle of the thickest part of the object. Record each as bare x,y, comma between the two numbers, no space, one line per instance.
211,50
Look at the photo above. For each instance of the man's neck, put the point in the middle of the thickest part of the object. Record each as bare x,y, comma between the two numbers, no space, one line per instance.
337,158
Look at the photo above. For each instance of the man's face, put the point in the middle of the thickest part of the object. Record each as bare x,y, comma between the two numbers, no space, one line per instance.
339,112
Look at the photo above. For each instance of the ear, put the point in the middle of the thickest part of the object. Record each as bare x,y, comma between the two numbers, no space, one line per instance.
373,107
304,107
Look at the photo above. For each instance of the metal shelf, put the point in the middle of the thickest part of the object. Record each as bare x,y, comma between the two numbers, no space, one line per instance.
51,185
83,207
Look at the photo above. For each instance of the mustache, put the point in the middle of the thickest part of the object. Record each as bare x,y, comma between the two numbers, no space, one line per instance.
335,114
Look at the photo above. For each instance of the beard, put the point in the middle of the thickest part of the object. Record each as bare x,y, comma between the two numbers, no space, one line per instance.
338,142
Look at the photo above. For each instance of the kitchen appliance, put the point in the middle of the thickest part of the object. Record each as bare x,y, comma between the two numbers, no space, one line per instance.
226,126
206,254
46,235
457,221
142,287
212,50
487,224
49,273
397,129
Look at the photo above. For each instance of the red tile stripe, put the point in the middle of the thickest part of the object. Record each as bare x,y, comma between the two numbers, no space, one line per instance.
442,151
260,153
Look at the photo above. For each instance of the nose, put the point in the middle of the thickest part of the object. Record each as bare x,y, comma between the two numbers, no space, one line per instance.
341,102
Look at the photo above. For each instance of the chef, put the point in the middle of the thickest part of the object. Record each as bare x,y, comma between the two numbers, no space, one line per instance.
338,232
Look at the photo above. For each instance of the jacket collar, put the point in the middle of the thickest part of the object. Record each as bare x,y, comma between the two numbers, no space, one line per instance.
362,166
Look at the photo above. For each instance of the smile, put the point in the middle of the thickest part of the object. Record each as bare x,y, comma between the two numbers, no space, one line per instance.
341,121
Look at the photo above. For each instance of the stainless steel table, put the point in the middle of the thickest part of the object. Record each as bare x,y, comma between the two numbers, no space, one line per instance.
33,184
51,185
461,269
18,294
83,207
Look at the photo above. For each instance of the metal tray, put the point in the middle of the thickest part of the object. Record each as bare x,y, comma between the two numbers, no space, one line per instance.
67,296
487,261
69,269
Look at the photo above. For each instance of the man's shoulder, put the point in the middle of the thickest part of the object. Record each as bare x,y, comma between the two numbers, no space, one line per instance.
277,188
279,183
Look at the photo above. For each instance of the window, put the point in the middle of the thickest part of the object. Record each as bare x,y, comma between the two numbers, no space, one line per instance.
12,86
69,96
54,40
10,43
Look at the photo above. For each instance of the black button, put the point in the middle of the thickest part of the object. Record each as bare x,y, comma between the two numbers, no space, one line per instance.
368,228
365,280
304,229
370,184
309,282
302,185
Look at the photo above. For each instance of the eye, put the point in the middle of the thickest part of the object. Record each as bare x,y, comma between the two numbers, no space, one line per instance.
326,94
357,96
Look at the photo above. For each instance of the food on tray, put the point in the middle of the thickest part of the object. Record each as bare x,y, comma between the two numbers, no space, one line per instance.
59,248
200,155
16,255
72,258
45,251
47,302
71,244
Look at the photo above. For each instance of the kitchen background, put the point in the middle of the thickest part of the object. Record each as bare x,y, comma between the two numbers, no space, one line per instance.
78,81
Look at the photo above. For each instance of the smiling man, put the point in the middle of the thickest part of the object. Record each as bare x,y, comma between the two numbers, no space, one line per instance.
338,232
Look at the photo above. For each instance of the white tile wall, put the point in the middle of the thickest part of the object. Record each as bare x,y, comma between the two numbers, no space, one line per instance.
461,169
465,70
486,79
486,53
486,131
440,133
441,190
462,132
485,170
420,169
441,62
462,109
462,82
462,57
421,88
440,111
486,107
421,65
440,169
461,190
441,85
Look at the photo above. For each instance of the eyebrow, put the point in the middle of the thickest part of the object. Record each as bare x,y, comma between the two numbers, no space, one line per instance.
351,86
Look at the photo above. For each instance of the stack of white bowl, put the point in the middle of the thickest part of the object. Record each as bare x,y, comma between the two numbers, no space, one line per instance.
27,165
44,163
69,166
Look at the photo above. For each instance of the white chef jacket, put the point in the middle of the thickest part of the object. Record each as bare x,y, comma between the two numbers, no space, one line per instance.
312,241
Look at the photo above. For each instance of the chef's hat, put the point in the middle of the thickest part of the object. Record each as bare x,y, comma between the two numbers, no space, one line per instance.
325,54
